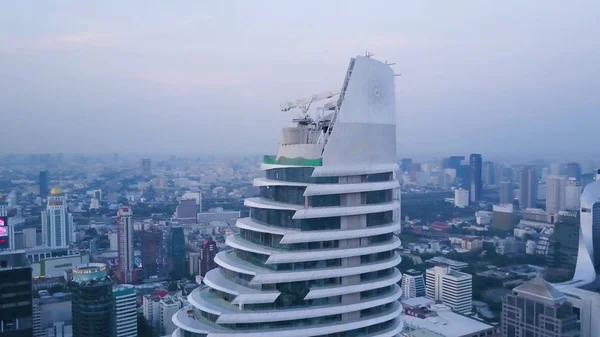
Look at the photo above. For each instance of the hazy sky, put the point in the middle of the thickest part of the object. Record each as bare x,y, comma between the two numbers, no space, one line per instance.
495,77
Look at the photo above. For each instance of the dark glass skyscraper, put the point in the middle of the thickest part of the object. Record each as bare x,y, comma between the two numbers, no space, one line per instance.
92,301
151,252
476,188
564,244
44,183
574,171
528,187
207,256
16,307
176,252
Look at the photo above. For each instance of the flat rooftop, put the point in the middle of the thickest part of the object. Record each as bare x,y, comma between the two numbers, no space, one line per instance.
441,321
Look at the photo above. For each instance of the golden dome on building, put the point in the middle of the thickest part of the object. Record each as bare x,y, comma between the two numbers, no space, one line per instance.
56,191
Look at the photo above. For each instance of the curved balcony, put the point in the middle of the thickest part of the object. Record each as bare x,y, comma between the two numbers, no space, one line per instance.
228,313
291,235
282,256
228,260
327,189
216,280
394,314
324,212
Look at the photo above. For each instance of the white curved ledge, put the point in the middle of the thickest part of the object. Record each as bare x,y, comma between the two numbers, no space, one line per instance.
355,288
269,204
327,189
216,280
283,256
324,212
259,182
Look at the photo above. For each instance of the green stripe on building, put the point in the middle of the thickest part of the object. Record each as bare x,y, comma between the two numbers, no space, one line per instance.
298,161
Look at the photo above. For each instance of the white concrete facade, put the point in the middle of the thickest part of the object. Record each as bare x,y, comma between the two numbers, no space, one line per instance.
317,255
452,287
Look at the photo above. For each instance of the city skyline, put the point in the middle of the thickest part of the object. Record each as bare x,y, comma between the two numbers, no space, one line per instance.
140,81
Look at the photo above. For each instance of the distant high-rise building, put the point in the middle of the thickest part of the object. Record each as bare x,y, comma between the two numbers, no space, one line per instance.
194,263
413,284
507,193
573,195
528,187
176,252
406,164
146,167
125,311
126,274
499,174
16,297
208,251
574,171
187,211
44,183
92,301
476,186
555,169
556,194
504,217
453,162
452,287
461,198
564,243
57,222
536,308
151,252
488,173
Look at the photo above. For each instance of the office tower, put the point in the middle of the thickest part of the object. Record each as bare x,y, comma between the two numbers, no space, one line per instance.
448,178
573,193
555,169
176,252
92,301
318,259
57,222
168,307
488,173
453,162
528,187
556,194
574,171
499,174
452,287
413,284
146,167
16,298
461,198
536,308
7,230
44,183
187,211
476,185
52,317
151,252
193,263
507,193
126,273
463,173
406,164
564,243
208,251
125,311
412,172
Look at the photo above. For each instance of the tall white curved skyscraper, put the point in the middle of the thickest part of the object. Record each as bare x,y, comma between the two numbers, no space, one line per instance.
588,254
317,255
